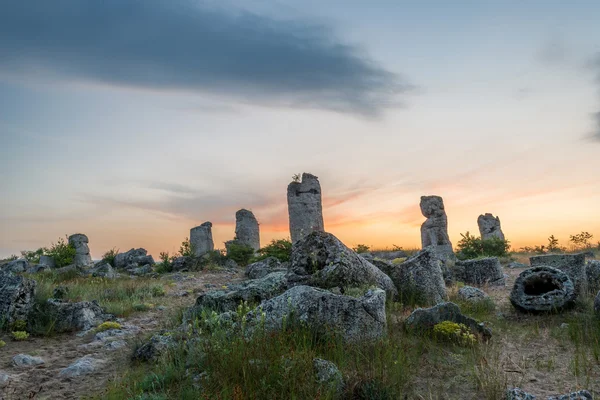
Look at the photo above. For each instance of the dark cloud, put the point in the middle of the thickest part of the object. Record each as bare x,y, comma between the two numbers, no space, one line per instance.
181,45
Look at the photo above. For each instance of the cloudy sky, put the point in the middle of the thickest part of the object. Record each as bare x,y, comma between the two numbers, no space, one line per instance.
134,120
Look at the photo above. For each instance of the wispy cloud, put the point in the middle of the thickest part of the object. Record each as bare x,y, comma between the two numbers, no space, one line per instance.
184,46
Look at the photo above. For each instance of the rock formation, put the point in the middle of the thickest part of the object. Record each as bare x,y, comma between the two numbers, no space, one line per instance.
264,267
542,289
304,207
134,259
489,227
472,295
201,239
434,231
82,251
16,297
424,319
573,265
70,317
480,271
246,229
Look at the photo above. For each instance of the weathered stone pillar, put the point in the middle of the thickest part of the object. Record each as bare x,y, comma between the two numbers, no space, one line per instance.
304,207
246,229
489,227
82,252
201,239
434,231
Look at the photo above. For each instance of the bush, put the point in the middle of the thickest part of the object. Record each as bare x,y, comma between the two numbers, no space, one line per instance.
62,253
20,335
19,325
473,247
240,253
33,256
2,343
187,249
280,249
166,263
448,331
110,255
105,326
361,248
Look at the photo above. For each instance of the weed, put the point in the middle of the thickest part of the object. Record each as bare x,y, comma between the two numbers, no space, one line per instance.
19,335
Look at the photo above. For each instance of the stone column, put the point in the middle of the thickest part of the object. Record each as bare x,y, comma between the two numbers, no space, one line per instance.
82,252
246,229
434,231
201,239
489,226
304,207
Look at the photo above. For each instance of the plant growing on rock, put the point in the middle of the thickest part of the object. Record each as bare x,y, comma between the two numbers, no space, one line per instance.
110,255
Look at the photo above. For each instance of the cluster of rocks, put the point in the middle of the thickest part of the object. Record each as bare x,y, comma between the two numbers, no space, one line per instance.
518,394
134,261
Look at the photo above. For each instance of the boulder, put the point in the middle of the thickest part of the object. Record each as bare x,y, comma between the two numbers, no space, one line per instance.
83,366
201,239
82,251
264,267
37,268
16,266
424,319
4,379
592,271
518,394
597,304
304,207
322,260
246,229
542,289
153,348
252,291
571,264
103,269
139,271
419,279
471,294
489,227
132,259
579,395
70,317
328,374
16,297
480,271
434,231
25,360
355,319
48,261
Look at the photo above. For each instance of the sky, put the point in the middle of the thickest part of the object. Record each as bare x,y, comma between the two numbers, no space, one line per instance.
133,121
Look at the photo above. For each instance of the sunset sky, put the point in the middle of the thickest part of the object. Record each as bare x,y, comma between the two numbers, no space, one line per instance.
133,121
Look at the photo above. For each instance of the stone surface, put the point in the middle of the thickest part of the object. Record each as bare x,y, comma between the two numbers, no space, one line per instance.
82,251
518,394
246,229
201,239
592,270
16,266
103,269
16,297
37,268
252,291
25,360
322,260
47,260
542,289
434,231
83,366
385,255
304,207
571,264
419,280
355,319
480,271
489,227
515,264
153,348
4,379
264,267
471,294
579,395
597,304
424,319
70,317
132,259
327,373
144,270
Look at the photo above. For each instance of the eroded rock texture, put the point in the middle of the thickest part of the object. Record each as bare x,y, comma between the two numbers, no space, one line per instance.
434,231
304,207
489,227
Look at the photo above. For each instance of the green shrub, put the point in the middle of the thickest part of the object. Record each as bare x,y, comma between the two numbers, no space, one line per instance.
62,253
361,248
143,307
20,335
33,256
240,253
280,249
2,343
473,247
105,326
157,291
19,325
187,249
166,263
448,331
110,255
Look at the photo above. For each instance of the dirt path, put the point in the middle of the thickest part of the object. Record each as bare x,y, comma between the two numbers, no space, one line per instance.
44,382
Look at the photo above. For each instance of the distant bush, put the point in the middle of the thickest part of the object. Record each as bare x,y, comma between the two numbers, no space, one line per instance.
473,247
581,241
61,252
110,255
240,253
187,249
166,263
280,249
11,258
361,248
33,256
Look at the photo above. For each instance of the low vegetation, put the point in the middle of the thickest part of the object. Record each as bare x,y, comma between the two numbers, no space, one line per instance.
278,248
61,252
473,247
